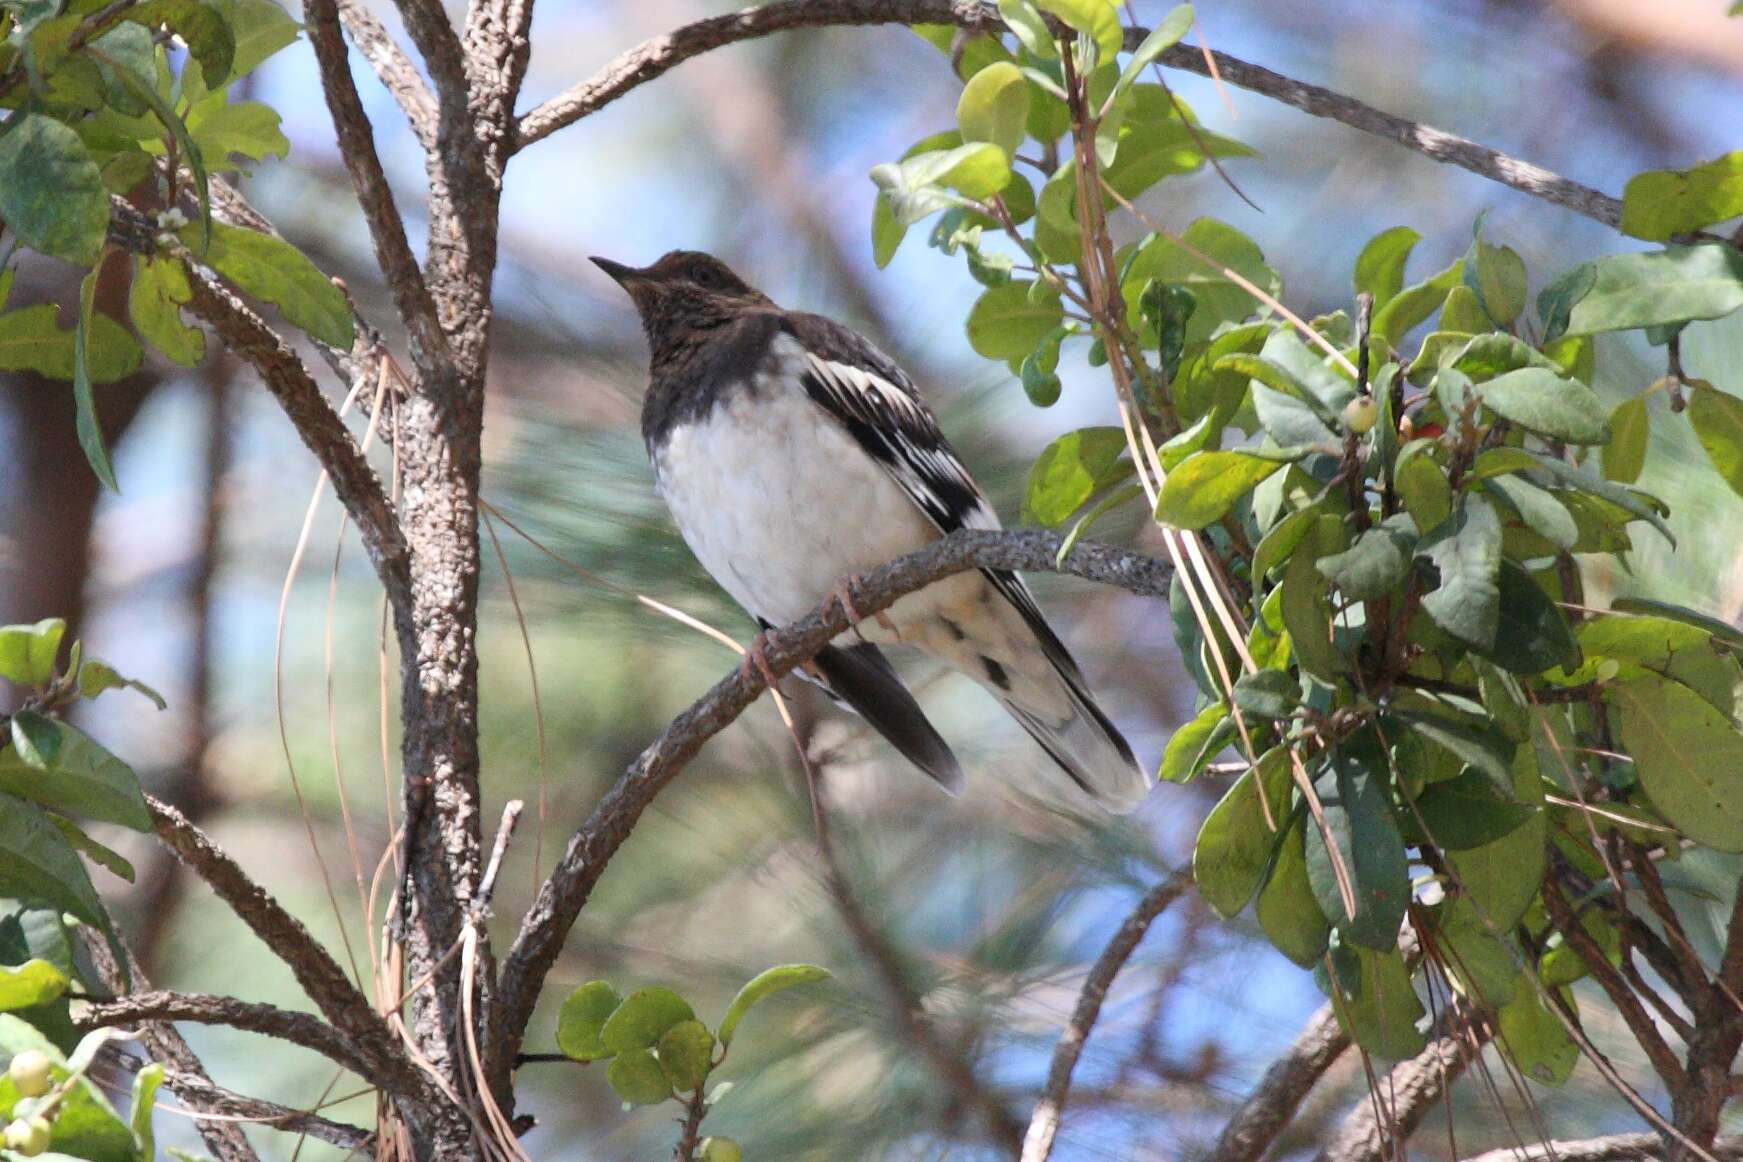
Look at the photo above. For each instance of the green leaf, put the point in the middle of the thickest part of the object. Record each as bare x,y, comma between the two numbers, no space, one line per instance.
1624,291
642,1017
1235,844
1473,742
274,271
887,231
35,982
198,23
143,89
1072,469
248,128
1168,31
1160,259
1717,418
96,677
1193,744
1639,504
28,652
85,419
581,1019
1204,487
686,1051
1287,910
104,857
994,107
1306,603
35,739
1538,508
1267,694
637,1078
765,984
1496,275
30,340
1531,633
1155,141
1038,371
1501,878
1358,816
40,864
160,287
1007,322
1382,1011
84,780
1541,401
85,1125
261,28
1659,203
1534,1038
1097,19
1469,811
1021,17
1624,456
1467,551
1413,304
51,191
1422,485
1380,266
1376,563
145,1084
1687,756
1482,966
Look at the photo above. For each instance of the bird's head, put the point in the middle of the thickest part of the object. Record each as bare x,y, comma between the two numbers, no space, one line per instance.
685,290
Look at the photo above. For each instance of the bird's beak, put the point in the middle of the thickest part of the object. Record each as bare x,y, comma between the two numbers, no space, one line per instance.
619,273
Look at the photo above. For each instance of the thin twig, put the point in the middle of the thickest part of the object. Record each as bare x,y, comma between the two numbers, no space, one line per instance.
303,1029
1044,1124
393,68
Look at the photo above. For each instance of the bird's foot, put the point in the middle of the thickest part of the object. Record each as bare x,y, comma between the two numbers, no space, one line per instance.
842,597
756,660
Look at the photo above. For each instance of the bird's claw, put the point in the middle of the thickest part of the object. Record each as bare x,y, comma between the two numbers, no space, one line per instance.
756,660
842,597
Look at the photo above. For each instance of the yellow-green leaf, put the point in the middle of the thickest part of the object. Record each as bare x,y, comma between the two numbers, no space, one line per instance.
994,107
1206,486
1659,203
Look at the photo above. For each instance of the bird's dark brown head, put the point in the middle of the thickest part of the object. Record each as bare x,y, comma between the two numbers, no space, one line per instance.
685,291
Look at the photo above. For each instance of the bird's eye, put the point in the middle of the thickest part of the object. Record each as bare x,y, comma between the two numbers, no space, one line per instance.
707,277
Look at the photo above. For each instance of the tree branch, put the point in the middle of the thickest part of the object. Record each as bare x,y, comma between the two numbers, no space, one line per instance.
1616,1148
1407,1095
655,57
411,296
563,894
1044,1125
1272,1104
378,1053
200,1097
393,68
303,1029
321,429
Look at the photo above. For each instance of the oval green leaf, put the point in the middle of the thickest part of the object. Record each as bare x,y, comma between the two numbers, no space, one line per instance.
1206,486
765,984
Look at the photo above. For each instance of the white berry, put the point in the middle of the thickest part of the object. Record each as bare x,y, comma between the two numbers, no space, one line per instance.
1360,414
29,1137
30,1072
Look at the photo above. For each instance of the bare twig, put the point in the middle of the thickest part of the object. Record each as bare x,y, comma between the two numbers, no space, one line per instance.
1615,1148
303,1029
1044,1124
320,427
375,1048
1410,1092
562,895
655,57
213,1106
393,68
393,253
1272,1104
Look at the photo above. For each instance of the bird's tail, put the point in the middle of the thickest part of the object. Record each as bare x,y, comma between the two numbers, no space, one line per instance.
1087,746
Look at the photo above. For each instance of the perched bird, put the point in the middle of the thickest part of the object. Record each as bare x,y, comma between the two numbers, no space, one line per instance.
795,455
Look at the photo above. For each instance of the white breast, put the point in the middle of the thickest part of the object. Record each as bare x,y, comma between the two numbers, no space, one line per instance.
777,500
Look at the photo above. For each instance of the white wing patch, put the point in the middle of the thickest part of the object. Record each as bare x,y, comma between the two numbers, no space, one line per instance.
897,429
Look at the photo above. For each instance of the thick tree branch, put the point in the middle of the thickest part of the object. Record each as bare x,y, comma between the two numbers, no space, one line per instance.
1379,1126
303,1029
393,253
653,58
1044,1124
1272,1104
1615,1148
378,1053
321,429
392,68
563,894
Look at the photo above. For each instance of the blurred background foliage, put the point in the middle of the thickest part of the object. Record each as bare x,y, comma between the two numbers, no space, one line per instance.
990,906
